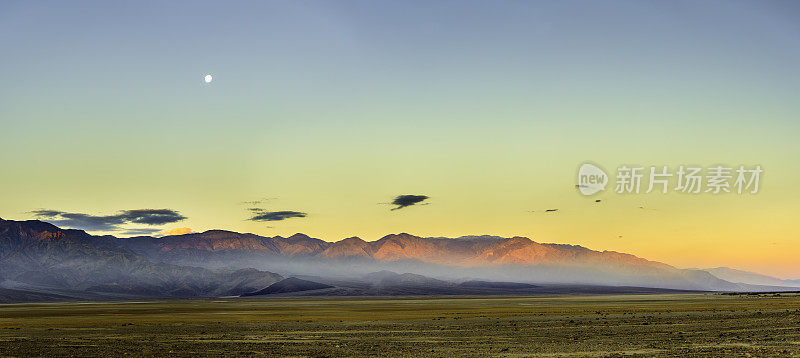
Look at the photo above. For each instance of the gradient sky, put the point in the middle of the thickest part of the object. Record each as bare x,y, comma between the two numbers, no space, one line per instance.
333,108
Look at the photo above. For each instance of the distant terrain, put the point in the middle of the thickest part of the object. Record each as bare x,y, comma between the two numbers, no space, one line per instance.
41,262
750,278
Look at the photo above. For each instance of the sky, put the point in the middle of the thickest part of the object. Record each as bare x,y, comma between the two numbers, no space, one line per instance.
322,113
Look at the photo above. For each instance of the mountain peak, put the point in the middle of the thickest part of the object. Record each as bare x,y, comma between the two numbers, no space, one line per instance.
400,236
521,239
352,240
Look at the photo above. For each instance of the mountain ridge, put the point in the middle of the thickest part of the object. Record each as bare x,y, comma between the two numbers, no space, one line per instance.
748,277
39,253
389,247
220,252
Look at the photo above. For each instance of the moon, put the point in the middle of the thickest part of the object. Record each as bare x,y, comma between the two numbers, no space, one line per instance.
208,78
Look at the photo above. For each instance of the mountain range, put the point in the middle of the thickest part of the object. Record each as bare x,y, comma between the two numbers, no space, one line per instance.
38,258
750,278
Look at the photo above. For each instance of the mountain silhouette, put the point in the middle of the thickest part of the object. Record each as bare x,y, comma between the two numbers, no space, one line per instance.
38,253
218,263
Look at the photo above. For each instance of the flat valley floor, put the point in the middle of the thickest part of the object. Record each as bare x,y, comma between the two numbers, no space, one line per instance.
676,325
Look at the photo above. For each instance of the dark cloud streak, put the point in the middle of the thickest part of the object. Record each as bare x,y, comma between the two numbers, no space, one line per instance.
403,201
276,215
153,217
141,232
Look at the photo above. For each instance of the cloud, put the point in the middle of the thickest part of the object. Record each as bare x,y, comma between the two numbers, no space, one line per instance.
81,221
47,213
256,202
276,215
155,232
139,232
152,216
89,222
403,201
176,231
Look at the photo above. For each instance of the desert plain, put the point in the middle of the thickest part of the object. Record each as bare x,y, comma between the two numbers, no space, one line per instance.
663,325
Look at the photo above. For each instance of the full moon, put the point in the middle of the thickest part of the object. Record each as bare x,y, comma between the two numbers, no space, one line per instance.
208,78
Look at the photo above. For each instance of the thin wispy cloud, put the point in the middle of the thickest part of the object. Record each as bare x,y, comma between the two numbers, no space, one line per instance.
257,201
140,232
156,232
